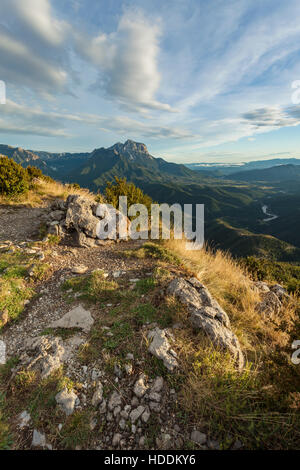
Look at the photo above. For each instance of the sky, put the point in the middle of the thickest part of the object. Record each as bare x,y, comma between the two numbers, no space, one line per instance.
195,80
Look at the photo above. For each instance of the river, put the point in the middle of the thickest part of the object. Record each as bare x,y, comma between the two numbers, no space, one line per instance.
269,214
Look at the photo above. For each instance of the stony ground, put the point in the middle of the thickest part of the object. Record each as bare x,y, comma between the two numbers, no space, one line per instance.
95,386
94,341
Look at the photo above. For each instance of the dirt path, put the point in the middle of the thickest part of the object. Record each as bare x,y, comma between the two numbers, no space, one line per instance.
20,223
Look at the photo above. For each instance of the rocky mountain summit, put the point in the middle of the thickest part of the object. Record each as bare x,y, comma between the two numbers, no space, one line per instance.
101,347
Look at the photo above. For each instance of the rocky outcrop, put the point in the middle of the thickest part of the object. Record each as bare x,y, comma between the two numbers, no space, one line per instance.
161,348
272,299
44,354
81,217
207,315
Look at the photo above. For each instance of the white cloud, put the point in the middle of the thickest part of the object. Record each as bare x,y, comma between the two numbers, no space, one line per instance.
20,66
38,18
128,61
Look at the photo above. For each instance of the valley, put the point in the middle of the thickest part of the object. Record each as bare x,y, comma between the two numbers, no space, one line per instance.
250,209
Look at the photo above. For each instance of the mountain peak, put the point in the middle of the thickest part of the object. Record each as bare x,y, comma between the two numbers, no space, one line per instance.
131,147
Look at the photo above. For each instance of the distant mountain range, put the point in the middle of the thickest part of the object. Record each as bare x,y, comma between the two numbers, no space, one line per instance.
275,174
233,202
226,169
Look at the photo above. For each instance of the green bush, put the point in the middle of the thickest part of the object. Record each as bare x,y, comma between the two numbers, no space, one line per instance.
34,172
284,273
13,178
120,187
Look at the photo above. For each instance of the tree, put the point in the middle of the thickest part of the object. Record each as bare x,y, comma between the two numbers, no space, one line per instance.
120,187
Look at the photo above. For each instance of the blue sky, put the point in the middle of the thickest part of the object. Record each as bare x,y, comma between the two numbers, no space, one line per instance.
194,80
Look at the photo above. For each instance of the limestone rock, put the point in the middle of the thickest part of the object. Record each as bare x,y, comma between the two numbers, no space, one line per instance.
23,419
140,387
2,352
66,400
78,317
270,305
197,298
280,291
198,437
157,385
80,269
80,216
45,354
38,439
115,400
220,336
160,348
261,286
98,395
136,413
206,314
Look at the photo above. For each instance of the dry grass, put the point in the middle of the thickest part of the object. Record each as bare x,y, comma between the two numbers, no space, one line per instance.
233,288
43,191
253,406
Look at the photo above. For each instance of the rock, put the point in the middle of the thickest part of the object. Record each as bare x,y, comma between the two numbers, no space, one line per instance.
80,216
49,353
116,439
154,406
66,400
122,424
116,411
130,357
157,385
118,371
197,298
56,215
206,314
80,269
212,444
98,395
103,407
237,445
146,415
136,413
154,396
261,286
164,442
78,317
142,441
38,439
269,306
2,352
128,369
140,387
160,348
115,400
198,437
23,419
280,291
220,335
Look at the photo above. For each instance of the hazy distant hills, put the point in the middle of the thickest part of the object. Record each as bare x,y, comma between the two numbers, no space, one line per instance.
275,174
228,169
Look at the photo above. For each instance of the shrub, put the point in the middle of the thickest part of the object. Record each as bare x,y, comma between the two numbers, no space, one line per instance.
120,187
34,172
13,178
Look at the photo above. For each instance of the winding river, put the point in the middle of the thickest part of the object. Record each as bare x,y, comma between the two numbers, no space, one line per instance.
269,214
